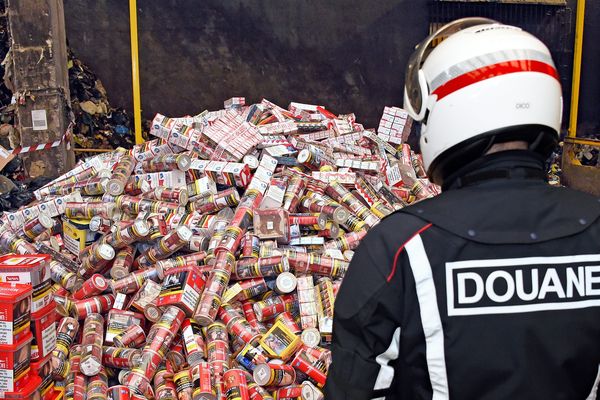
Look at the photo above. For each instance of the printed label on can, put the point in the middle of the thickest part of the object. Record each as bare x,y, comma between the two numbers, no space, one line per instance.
190,297
48,340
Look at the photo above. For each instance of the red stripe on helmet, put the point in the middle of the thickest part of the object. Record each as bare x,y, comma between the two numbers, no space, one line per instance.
490,71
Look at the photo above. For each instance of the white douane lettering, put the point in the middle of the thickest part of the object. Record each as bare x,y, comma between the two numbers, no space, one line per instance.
590,280
477,287
535,285
575,281
510,286
462,289
551,283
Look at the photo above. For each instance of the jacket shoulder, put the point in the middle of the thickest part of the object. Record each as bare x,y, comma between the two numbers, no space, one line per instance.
395,229
510,214
383,241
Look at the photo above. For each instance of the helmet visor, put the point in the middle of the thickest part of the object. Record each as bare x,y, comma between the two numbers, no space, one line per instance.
413,90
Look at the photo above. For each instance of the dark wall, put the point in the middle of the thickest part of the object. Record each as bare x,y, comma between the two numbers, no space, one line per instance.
347,55
589,101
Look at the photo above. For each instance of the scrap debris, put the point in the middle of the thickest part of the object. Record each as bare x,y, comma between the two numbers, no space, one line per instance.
97,124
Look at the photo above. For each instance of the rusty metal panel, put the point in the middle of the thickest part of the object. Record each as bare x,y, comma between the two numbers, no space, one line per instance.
577,176
40,82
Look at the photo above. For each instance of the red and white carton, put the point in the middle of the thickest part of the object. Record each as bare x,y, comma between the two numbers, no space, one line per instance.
29,269
43,327
182,287
29,391
240,173
43,369
15,312
14,365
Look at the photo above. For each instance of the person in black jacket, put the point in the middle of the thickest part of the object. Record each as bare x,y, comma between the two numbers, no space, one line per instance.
490,290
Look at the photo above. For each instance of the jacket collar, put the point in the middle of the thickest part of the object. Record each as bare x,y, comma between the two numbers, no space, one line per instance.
505,165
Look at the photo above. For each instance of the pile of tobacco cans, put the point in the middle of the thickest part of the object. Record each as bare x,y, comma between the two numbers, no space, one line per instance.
203,264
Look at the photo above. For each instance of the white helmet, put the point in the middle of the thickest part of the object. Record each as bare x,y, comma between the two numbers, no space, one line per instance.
476,82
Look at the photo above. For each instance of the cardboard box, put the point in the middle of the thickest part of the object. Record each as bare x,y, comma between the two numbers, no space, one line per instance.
29,269
182,288
14,365
15,312
43,328
43,369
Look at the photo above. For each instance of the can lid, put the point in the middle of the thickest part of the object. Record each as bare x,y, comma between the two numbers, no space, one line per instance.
304,156
46,221
160,271
262,374
106,251
183,197
117,341
136,357
95,223
286,282
142,227
118,272
311,337
335,230
184,162
310,392
322,220
122,375
152,313
99,281
340,215
54,243
115,187
26,392
14,292
90,366
184,233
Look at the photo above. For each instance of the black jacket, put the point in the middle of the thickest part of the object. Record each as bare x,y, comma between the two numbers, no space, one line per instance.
489,291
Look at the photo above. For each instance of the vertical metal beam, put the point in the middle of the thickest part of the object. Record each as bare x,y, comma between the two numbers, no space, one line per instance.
580,20
135,71
40,83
